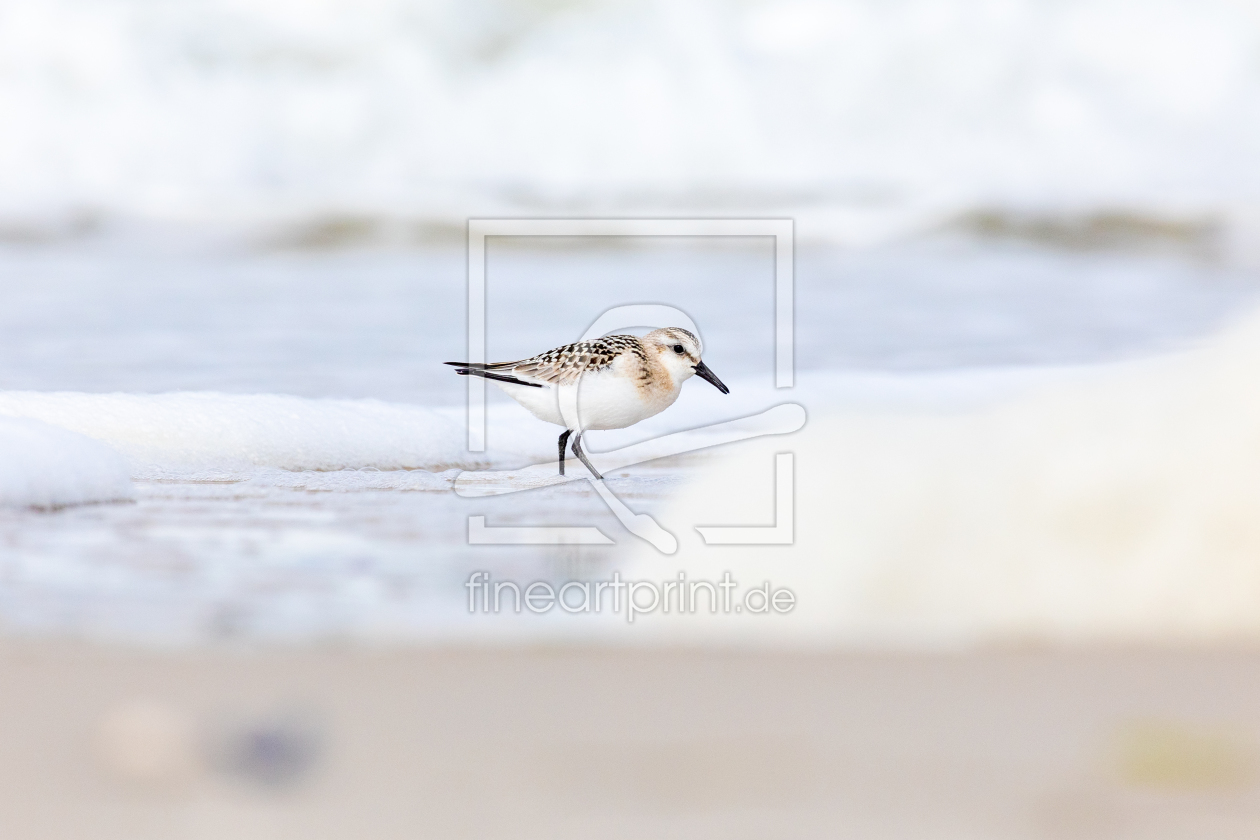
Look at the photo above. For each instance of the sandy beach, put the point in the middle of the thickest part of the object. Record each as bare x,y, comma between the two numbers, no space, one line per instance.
108,742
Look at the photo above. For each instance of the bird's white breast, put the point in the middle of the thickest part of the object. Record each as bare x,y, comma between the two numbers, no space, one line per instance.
605,399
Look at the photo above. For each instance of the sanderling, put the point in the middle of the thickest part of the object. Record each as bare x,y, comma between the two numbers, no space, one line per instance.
623,379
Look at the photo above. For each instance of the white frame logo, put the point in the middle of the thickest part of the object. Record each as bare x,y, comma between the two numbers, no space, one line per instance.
781,419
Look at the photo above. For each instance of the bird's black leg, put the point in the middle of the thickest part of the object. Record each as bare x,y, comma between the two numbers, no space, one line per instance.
577,450
564,438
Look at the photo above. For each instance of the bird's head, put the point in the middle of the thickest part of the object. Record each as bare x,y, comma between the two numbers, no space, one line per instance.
679,351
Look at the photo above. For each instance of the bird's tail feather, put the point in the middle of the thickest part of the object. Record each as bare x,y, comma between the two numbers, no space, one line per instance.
483,365
486,372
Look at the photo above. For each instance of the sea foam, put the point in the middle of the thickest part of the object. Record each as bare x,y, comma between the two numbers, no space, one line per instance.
43,466
1117,504
212,435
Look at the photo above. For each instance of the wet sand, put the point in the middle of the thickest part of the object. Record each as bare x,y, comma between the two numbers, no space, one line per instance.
117,742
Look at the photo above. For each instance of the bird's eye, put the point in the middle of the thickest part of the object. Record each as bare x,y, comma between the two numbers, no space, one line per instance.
678,348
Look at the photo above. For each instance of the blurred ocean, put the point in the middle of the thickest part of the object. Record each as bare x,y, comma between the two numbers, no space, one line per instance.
293,435
263,205
330,121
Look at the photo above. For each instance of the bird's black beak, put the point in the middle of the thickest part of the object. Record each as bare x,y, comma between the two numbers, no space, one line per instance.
702,371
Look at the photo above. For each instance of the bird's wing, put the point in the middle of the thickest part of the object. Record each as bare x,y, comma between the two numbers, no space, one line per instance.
561,366
566,365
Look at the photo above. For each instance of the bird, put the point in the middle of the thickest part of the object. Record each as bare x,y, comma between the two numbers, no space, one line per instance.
622,379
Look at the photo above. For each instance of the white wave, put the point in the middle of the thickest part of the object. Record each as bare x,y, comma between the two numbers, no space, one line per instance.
886,110
43,466
1119,504
327,444
211,435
